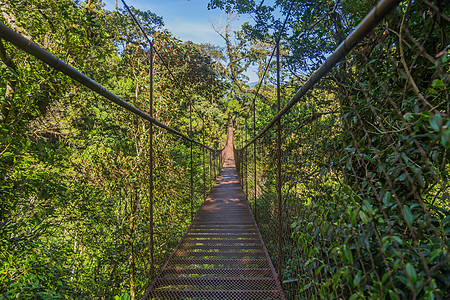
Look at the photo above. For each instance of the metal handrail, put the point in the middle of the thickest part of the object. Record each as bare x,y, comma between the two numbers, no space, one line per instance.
371,20
59,65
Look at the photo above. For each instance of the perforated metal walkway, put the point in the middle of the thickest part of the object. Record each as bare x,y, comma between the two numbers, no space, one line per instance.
222,255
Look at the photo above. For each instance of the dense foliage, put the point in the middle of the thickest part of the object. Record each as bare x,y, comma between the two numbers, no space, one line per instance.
365,169
365,154
74,168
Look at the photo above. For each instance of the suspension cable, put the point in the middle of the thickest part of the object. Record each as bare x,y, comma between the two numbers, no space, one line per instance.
372,19
59,65
157,53
277,41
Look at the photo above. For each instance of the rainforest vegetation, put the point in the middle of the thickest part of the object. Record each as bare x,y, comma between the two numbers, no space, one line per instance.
365,154
74,167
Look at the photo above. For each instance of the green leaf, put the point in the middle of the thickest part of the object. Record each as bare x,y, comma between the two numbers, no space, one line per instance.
357,279
445,58
397,265
408,214
397,239
433,91
436,122
354,296
6,155
347,254
402,177
392,295
363,217
319,269
411,272
437,83
367,207
305,287
385,276
445,137
433,255
386,198
445,221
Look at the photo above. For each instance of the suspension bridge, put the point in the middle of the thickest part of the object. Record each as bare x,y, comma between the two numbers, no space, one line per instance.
222,254
274,226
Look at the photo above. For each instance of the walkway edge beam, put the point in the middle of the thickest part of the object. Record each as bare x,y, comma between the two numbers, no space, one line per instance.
383,8
34,49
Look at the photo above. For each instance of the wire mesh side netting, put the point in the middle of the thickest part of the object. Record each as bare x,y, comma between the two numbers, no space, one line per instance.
75,180
365,170
77,203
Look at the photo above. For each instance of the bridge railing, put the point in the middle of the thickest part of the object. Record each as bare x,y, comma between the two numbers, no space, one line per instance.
94,197
350,186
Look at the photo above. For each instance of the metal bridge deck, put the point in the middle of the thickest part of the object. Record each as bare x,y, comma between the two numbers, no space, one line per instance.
222,255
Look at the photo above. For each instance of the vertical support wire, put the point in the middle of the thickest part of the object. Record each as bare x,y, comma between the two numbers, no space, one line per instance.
215,165
203,158
254,154
246,161
280,277
241,155
191,169
152,266
210,167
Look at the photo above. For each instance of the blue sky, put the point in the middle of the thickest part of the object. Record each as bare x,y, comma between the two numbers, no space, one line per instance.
187,20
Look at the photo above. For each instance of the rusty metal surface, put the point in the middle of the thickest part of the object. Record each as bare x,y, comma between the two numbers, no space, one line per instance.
222,255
